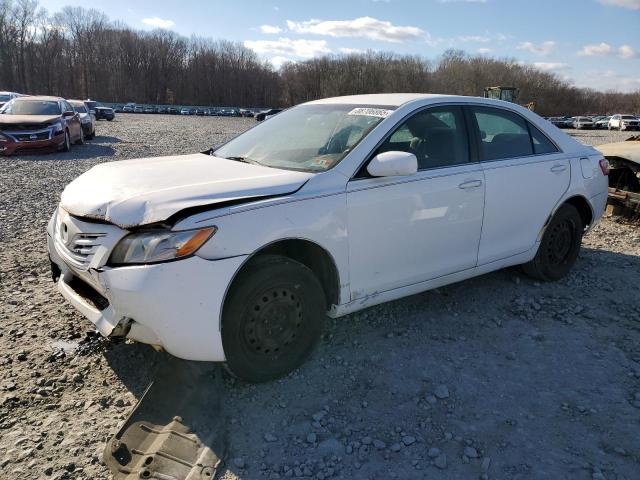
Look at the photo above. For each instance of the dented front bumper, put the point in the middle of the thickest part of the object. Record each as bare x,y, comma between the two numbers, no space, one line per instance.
175,306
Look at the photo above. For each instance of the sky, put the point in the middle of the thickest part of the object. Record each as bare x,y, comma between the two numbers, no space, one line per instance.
591,43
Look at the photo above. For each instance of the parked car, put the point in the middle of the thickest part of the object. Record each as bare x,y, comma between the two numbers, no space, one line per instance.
36,123
558,121
601,123
6,96
186,111
138,109
149,109
332,206
267,113
118,108
200,112
162,110
624,122
87,119
128,108
581,123
172,111
100,112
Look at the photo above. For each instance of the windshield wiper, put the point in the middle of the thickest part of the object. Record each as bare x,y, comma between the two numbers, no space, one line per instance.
244,160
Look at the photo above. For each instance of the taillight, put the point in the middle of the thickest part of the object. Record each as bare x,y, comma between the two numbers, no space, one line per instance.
604,166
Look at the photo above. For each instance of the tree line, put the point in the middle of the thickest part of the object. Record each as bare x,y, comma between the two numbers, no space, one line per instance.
80,53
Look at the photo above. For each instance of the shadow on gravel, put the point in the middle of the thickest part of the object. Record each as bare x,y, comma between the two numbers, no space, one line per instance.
106,139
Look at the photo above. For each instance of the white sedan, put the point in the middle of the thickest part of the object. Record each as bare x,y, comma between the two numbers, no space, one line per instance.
236,255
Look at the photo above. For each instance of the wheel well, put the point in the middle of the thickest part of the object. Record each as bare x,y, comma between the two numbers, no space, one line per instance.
583,207
314,257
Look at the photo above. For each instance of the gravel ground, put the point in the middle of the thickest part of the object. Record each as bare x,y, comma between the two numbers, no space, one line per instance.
495,377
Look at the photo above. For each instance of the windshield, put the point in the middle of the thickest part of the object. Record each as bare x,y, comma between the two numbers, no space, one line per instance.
79,107
310,138
32,107
5,98
628,117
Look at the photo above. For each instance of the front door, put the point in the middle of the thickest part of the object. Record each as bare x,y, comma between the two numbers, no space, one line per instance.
405,230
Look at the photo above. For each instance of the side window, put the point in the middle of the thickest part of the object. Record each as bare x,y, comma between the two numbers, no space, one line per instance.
502,134
541,144
436,136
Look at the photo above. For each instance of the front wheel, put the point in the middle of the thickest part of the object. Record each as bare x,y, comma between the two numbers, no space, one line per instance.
66,146
272,319
559,247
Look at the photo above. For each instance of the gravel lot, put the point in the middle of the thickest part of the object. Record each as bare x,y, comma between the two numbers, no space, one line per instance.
495,377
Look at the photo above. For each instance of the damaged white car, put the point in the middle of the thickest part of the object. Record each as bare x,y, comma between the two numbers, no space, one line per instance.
236,255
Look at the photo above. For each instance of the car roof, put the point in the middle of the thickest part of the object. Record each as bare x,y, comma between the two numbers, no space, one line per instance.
41,97
381,99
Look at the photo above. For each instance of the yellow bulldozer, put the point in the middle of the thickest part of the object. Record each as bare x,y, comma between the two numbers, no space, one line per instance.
508,94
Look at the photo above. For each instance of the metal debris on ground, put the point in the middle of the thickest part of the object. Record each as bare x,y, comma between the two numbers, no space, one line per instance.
176,431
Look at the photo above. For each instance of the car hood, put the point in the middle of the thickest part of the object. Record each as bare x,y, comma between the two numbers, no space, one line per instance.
132,193
27,119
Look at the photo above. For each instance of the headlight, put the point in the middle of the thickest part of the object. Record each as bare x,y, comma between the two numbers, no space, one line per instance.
57,128
155,246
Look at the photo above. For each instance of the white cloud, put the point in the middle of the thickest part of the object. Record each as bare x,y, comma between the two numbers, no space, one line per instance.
158,22
474,38
350,51
484,51
595,50
278,61
363,27
607,80
631,4
551,66
626,52
271,29
542,49
287,47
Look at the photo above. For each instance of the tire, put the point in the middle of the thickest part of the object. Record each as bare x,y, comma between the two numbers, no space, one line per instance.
66,146
80,140
559,247
271,293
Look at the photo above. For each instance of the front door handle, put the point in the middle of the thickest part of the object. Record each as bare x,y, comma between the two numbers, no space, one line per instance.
470,184
558,168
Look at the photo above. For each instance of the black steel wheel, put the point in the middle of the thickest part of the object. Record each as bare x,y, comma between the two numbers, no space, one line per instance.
272,318
559,247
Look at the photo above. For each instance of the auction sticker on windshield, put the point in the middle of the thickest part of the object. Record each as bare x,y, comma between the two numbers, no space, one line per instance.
371,112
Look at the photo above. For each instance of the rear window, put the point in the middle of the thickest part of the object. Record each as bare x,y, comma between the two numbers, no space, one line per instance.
502,134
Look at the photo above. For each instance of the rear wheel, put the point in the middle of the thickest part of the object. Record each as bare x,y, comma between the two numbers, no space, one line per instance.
559,247
272,319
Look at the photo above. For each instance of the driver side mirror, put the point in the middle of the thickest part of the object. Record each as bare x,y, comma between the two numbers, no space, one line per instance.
393,164
68,113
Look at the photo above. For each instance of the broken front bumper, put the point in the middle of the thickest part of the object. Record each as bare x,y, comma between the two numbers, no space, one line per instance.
175,305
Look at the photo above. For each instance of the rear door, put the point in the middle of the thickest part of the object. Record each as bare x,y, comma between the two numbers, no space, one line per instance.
526,175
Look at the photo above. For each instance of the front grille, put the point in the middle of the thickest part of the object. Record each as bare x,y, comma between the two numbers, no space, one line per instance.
80,247
24,127
31,136
76,244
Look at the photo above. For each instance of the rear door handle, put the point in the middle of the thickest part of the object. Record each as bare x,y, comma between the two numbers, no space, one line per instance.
558,168
470,184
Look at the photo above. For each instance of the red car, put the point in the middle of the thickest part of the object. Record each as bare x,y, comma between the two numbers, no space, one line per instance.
30,124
